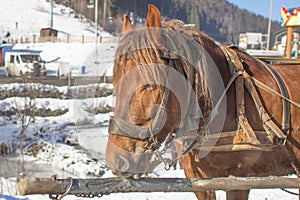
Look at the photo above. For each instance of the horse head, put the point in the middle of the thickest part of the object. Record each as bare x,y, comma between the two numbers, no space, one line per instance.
143,114
158,93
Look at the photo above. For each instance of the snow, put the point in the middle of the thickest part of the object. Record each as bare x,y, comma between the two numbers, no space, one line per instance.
35,14
72,143
72,56
22,17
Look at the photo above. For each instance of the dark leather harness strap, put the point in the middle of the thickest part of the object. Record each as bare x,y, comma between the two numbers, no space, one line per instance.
286,106
269,126
243,124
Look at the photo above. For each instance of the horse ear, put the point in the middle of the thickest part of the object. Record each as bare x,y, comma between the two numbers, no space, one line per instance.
127,24
153,17
153,22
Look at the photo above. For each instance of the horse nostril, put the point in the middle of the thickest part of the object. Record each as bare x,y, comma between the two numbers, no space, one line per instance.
122,164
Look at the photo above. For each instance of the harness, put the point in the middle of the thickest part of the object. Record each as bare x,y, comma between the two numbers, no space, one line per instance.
244,138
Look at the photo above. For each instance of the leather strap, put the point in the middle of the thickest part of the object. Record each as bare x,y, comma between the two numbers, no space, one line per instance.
243,124
286,108
269,126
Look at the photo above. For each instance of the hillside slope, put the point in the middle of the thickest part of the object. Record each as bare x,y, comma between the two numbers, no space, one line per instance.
27,17
218,18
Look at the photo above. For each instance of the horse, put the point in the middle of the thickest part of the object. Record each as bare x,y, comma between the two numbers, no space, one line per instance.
228,113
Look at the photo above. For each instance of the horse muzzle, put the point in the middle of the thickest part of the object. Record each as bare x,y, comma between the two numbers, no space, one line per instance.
128,164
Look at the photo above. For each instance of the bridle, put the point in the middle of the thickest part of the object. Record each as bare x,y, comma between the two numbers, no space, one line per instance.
118,126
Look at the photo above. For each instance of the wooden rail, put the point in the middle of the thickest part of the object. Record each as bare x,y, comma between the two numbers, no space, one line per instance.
120,185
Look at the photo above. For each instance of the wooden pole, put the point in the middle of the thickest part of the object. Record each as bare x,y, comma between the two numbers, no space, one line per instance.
69,78
52,37
121,185
289,40
104,10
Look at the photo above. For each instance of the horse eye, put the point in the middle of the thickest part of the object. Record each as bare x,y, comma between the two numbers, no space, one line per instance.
147,86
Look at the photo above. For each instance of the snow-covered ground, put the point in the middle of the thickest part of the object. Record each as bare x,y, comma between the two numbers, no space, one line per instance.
22,18
27,17
73,56
73,142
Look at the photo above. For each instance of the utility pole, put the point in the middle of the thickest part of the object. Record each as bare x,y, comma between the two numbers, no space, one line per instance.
104,10
51,13
96,25
269,26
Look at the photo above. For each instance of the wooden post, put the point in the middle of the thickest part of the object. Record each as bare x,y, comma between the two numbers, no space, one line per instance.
52,38
82,39
122,185
69,78
104,77
68,38
289,40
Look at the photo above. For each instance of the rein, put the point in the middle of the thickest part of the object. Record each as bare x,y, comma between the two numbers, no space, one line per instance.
272,91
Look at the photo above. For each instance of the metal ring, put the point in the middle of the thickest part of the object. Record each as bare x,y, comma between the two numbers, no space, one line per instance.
167,166
68,189
51,196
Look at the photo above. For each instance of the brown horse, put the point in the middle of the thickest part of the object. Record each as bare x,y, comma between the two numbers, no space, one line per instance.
168,78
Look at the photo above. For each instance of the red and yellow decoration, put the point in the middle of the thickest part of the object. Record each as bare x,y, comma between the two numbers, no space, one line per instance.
290,17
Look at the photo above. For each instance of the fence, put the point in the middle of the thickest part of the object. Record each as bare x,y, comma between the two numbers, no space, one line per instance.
62,39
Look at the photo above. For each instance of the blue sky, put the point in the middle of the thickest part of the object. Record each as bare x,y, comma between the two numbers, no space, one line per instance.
262,7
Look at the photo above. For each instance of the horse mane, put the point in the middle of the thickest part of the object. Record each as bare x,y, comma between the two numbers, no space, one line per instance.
187,43
198,36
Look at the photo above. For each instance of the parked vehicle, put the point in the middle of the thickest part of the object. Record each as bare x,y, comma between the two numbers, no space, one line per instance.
251,40
22,62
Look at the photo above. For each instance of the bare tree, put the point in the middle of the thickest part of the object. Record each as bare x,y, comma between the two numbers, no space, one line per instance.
26,116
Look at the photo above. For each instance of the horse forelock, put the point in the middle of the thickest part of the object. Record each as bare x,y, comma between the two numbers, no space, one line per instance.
141,48
175,37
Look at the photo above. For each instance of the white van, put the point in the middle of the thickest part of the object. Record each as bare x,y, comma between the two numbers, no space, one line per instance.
24,63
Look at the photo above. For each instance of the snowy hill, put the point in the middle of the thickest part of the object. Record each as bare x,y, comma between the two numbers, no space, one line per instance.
27,17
